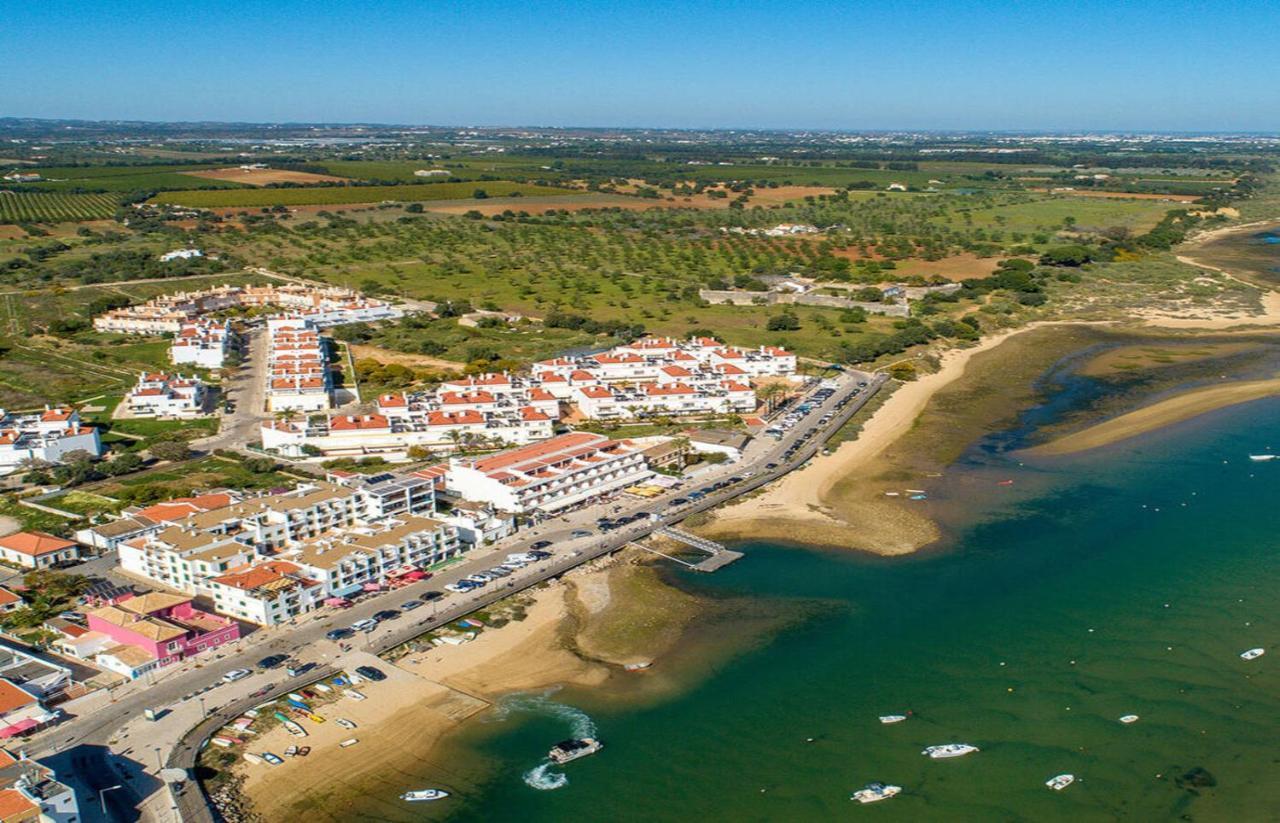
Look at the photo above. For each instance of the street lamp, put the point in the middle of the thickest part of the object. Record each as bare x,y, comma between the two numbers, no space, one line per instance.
203,713
102,797
159,765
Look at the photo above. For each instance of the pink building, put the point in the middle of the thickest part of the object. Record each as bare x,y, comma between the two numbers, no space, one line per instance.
166,627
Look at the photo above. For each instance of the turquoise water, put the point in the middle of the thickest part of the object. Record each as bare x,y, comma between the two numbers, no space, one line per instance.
1127,582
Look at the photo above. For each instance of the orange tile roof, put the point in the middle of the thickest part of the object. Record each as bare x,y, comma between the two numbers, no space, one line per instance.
458,418
534,451
35,544
346,422
15,806
7,597
14,697
181,507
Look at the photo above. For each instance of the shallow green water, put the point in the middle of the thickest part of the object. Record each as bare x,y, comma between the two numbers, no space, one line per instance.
1028,635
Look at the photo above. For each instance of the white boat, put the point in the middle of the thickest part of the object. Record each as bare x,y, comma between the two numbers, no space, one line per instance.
345,723
567,750
350,741
892,718
421,795
253,758
1060,782
1129,718
950,750
638,666
353,694
874,792
1262,458
1253,653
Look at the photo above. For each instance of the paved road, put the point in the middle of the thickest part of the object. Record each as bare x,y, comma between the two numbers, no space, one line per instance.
187,694
247,390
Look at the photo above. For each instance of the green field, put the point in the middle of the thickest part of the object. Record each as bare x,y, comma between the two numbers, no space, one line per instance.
340,195
459,169
21,207
126,178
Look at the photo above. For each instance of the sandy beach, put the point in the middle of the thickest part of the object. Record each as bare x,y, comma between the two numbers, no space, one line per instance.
575,631
1164,413
817,504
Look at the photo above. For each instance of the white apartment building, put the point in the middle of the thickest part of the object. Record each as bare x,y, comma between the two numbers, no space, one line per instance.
394,434
298,375
203,342
47,436
601,402
180,254
325,305
266,594
168,395
551,476
180,556
369,555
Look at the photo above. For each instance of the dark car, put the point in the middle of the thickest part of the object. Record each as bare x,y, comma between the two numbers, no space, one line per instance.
679,501
427,597
263,692
338,634
541,544
386,614
410,605
370,673
272,660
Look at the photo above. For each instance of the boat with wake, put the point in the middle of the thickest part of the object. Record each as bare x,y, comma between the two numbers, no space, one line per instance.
572,749
875,792
947,750
1128,718
1253,654
1263,458
424,795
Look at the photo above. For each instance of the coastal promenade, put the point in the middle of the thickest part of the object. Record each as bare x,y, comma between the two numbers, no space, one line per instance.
113,744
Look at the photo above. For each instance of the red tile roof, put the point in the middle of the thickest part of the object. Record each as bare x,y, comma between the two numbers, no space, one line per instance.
35,544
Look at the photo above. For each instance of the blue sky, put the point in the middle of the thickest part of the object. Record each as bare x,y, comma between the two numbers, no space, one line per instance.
929,64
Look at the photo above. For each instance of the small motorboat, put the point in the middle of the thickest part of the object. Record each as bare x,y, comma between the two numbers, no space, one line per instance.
567,750
1253,654
423,795
353,694
1005,483
292,751
273,759
875,792
350,741
345,723
947,750
1060,782
253,758
1263,458
892,718
638,666
1129,718
304,751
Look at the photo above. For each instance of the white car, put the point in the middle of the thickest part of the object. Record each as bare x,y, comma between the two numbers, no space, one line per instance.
366,625
236,674
460,588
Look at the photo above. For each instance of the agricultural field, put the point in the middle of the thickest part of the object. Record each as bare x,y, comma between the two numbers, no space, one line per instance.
123,178
23,207
337,195
265,177
458,168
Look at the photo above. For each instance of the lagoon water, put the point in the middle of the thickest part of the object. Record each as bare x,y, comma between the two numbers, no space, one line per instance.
1098,586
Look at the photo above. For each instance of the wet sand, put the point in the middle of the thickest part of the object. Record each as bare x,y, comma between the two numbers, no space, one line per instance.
1158,415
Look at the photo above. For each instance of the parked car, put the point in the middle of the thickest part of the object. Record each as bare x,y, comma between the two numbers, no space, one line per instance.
386,614
263,692
236,674
410,605
338,634
427,597
580,533
272,660
365,625
461,586
370,673
541,544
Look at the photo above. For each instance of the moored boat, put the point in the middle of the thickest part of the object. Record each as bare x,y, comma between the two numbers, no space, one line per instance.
947,750
572,749
892,718
1262,458
421,795
875,792
1060,782
1252,654
1129,718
